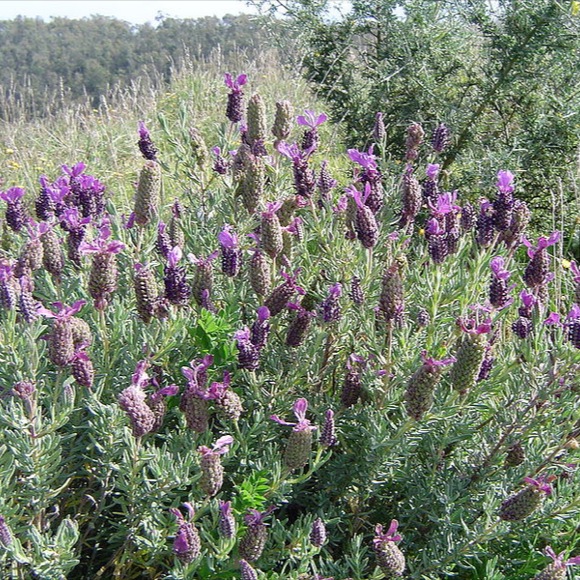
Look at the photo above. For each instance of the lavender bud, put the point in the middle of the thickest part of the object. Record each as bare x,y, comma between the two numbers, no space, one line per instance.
146,293
423,318
299,326
260,328
415,136
515,455
330,306
318,533
234,110
248,354
52,256
260,274
148,150
82,370
389,557
391,301
440,138
271,231
485,225
247,572
102,278
162,243
281,295
27,305
256,119
60,342
199,151
254,540
81,332
328,436
148,193
356,291
187,544
468,217
282,121
226,522
5,534
351,387
522,504
379,132
411,198
522,327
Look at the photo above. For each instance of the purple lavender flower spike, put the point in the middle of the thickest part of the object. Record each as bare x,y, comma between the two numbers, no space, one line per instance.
103,274
177,290
537,273
440,138
330,307
304,178
248,353
5,533
234,110
436,243
498,289
15,212
573,325
379,132
365,223
328,435
260,328
310,139
230,252
146,146
187,544
221,164
163,241
226,523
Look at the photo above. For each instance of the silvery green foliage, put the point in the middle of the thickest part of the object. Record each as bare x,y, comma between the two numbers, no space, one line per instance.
81,494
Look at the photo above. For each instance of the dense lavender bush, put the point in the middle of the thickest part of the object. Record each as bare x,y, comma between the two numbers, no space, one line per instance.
436,416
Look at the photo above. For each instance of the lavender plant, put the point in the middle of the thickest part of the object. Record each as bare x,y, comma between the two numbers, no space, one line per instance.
101,412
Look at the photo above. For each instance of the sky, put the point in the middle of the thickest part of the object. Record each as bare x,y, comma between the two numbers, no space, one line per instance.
134,11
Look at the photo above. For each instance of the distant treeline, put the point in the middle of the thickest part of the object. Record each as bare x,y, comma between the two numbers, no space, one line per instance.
84,58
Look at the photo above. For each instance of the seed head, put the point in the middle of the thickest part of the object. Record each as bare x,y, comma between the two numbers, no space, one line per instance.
148,193
282,121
